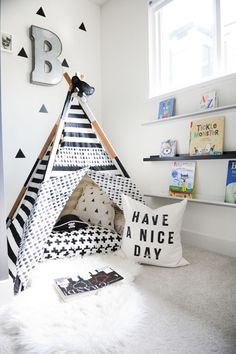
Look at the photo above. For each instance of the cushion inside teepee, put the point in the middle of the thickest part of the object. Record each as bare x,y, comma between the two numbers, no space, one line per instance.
91,204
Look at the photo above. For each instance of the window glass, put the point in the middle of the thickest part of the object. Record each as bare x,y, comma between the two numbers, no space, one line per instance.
228,15
192,41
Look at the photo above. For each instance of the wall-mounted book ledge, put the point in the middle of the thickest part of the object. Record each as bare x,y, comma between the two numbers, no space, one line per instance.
193,114
225,155
193,200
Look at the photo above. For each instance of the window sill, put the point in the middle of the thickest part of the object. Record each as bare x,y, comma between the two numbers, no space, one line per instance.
199,85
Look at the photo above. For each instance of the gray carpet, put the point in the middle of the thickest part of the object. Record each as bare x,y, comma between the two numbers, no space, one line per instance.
190,310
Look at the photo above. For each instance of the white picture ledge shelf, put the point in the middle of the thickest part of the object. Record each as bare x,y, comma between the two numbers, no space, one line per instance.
193,200
192,114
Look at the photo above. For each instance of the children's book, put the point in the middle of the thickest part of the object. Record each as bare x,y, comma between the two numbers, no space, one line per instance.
166,108
206,136
182,179
168,148
230,191
208,100
72,287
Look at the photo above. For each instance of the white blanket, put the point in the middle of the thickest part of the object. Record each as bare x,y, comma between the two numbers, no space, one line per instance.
38,322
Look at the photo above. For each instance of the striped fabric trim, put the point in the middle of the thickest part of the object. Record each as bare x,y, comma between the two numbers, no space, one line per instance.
80,146
15,227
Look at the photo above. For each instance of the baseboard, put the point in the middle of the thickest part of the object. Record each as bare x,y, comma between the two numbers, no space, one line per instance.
225,247
6,290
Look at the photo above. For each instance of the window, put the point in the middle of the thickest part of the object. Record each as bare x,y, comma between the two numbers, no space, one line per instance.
190,41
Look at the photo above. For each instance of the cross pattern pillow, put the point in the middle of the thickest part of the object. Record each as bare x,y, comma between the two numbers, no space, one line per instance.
152,236
95,207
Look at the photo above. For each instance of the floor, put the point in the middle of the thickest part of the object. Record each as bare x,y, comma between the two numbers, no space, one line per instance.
190,310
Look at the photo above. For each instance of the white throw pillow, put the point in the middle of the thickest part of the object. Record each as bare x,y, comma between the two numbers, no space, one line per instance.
95,207
152,236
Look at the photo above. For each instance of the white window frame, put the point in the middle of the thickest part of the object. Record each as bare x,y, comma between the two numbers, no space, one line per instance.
155,55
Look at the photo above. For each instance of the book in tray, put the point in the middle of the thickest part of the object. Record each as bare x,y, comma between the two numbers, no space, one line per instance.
230,190
73,287
206,136
166,108
182,179
208,100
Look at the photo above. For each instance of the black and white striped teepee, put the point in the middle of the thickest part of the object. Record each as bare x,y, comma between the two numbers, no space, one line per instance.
76,142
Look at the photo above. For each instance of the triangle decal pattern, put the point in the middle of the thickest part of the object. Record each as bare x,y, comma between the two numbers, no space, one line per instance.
43,109
65,64
20,155
22,53
40,12
82,27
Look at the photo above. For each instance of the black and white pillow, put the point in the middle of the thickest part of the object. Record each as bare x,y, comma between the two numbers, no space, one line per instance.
95,207
152,236
70,222
83,242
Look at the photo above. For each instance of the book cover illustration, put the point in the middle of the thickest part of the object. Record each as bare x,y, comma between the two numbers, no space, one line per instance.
206,136
69,287
168,148
182,179
166,108
208,100
230,190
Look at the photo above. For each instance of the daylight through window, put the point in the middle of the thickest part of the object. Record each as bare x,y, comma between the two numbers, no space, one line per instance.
190,41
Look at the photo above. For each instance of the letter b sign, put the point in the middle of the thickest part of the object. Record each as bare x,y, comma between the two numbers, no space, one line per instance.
46,48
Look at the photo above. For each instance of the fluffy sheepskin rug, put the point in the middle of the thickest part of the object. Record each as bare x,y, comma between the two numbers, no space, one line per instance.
38,322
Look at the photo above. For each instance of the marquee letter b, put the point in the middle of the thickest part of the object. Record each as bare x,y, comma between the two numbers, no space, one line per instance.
46,48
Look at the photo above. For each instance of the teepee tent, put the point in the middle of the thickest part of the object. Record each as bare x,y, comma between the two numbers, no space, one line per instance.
76,147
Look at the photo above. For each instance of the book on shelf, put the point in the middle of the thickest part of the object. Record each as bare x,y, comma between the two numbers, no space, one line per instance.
208,100
230,190
206,136
168,148
182,179
166,108
73,287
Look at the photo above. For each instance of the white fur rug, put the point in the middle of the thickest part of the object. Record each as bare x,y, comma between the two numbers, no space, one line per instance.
38,322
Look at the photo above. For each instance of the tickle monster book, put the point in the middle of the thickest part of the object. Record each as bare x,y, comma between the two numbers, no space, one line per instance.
206,136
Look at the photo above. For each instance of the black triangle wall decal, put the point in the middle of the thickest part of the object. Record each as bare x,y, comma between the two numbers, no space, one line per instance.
82,27
64,63
40,12
22,53
20,155
43,109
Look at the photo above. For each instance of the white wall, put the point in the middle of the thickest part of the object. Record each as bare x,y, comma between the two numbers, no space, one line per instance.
6,285
23,126
125,106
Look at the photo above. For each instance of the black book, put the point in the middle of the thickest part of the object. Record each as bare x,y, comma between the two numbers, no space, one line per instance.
72,287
